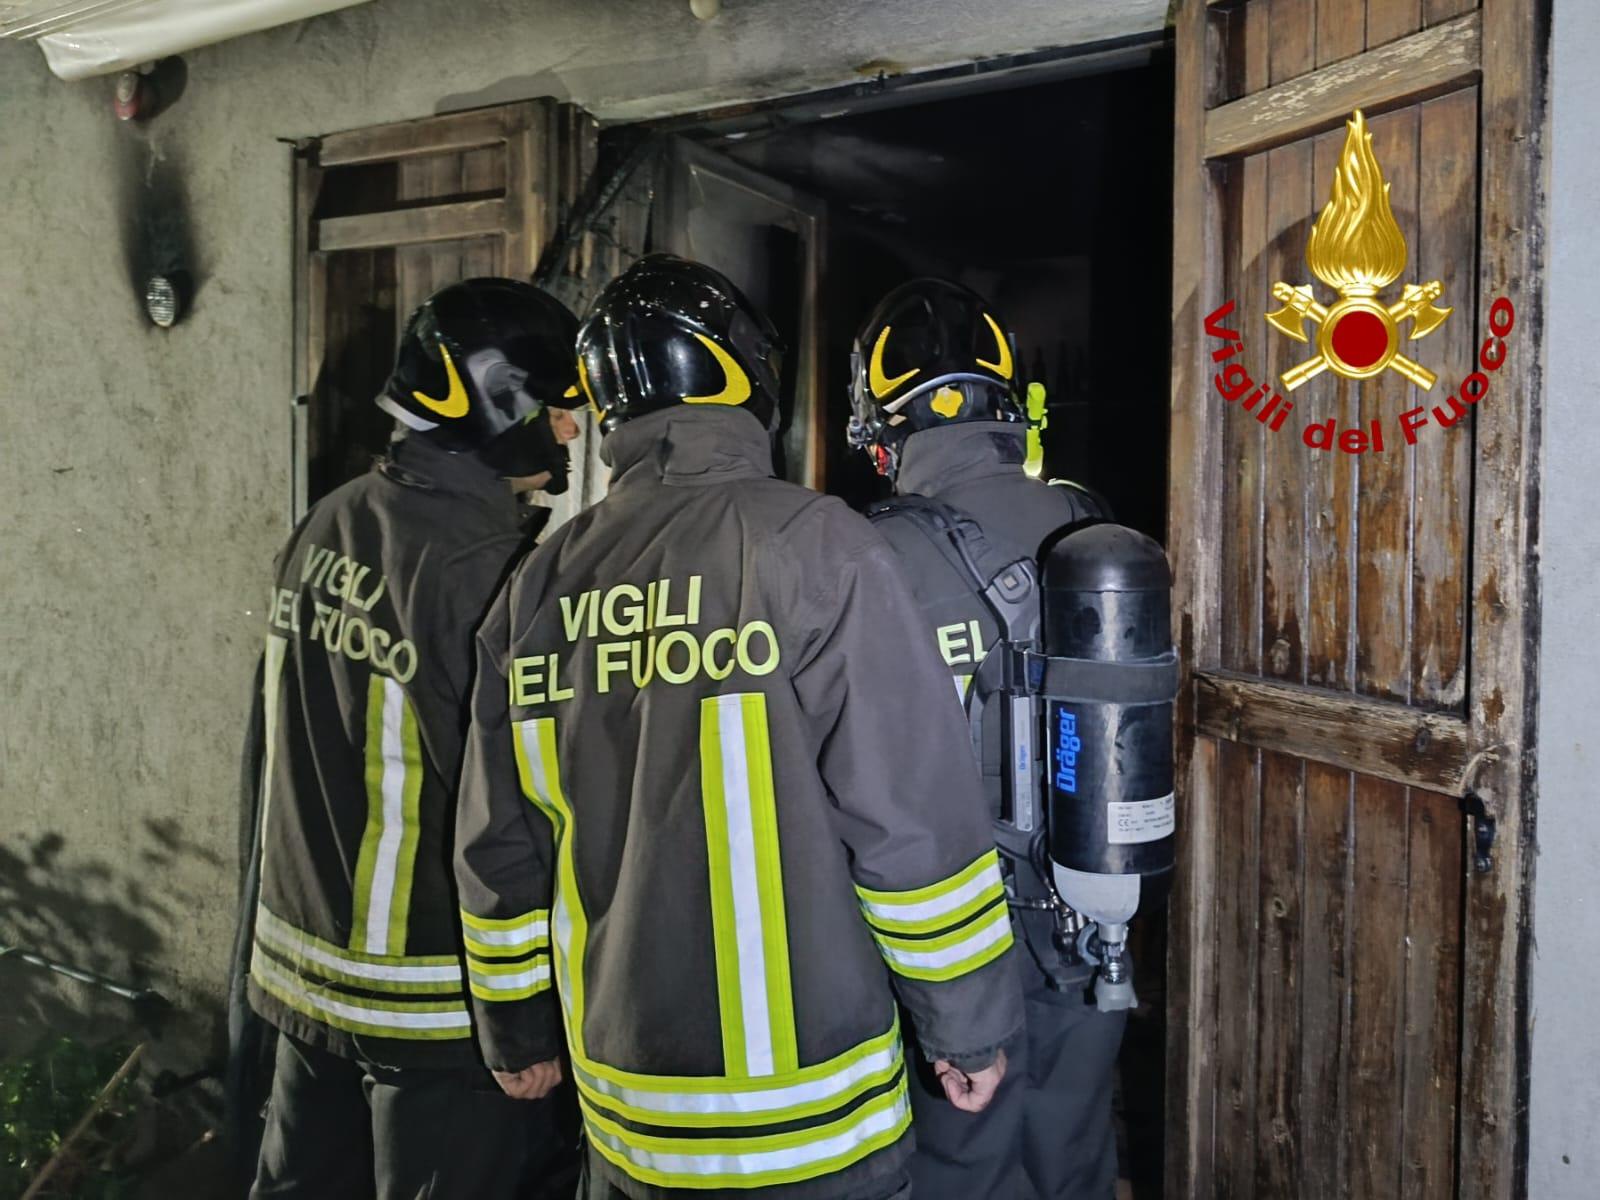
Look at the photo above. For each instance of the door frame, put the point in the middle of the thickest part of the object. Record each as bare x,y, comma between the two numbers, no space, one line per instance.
808,216
549,153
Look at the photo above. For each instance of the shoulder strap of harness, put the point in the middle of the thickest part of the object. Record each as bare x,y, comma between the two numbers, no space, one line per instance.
1009,590
1007,587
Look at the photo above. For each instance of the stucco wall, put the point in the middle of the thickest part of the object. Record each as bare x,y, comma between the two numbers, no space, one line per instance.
1564,1154
146,472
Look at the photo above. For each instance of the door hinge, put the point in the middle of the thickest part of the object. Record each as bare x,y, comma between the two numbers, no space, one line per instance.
1482,832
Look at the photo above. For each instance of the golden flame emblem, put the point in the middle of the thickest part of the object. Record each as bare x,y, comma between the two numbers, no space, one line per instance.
1357,249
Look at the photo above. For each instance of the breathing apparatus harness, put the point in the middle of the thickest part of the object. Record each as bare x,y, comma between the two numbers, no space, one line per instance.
1089,919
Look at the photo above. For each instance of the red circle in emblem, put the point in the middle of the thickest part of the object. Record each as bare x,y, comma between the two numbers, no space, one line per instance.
1360,339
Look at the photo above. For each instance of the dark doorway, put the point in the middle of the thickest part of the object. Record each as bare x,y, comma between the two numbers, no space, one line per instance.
1052,200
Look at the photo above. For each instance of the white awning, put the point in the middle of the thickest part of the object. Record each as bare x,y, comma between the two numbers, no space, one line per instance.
81,38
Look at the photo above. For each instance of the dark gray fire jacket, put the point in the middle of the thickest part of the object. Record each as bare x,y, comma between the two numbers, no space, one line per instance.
975,467
697,809
369,654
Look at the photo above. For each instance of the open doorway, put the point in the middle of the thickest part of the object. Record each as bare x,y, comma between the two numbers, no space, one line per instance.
1044,185
1052,200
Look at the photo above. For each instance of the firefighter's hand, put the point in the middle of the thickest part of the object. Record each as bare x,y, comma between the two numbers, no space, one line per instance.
530,1083
971,1093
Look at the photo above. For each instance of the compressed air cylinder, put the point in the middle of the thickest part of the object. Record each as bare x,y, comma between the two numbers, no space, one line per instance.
1106,596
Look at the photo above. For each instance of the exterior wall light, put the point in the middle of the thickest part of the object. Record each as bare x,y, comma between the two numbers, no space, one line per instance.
165,298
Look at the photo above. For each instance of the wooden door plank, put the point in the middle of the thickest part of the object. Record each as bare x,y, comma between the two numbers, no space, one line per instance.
1237,956
1388,20
1243,436
1442,512
1427,63
1374,737
358,350
408,226
406,139
1432,998
1435,11
1377,965
1293,28
425,267
412,264
1503,679
1194,484
527,182
1229,46
1385,480
1331,498
483,170
1341,30
444,258
1279,992
1283,561
1325,973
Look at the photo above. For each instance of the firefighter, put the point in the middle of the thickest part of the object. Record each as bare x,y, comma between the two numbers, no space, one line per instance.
693,807
356,957
935,405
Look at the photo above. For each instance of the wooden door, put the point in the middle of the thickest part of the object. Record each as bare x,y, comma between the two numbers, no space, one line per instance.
1346,988
386,215
769,238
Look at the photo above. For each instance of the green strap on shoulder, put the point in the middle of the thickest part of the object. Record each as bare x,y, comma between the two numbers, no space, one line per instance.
1038,422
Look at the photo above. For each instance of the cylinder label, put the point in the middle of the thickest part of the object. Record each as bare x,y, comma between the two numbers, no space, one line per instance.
1141,821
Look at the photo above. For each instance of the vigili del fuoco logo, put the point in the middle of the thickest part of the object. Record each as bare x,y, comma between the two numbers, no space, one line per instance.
1357,249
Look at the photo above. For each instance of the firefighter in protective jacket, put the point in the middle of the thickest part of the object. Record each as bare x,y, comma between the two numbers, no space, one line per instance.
935,405
356,956
693,810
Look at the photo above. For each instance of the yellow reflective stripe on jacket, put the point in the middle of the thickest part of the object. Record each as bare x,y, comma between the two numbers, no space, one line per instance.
411,1020
505,937
750,929
310,955
509,980
980,900
757,1160
535,745
944,899
382,899
698,1101
946,929
951,954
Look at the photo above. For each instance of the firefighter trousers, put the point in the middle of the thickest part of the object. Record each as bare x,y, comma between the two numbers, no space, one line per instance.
1048,1133
337,1127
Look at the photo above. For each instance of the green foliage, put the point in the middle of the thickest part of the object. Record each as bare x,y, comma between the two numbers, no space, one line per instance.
41,1098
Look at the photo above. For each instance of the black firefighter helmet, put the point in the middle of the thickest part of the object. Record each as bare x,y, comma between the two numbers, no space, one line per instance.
931,353
668,331
478,364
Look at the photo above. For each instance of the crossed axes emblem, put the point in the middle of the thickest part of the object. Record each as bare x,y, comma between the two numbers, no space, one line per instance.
1363,318
1356,247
